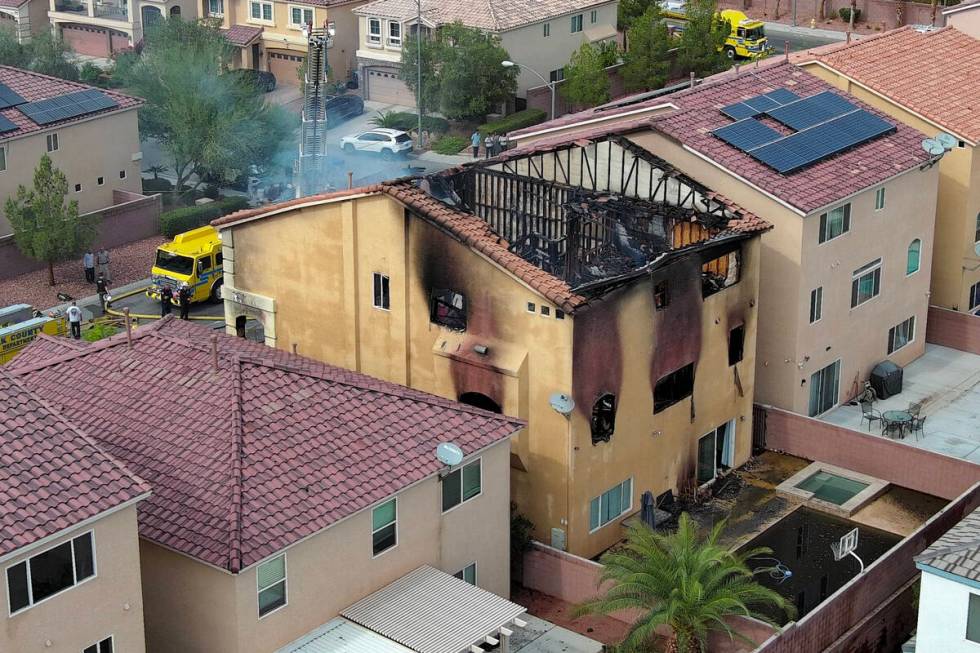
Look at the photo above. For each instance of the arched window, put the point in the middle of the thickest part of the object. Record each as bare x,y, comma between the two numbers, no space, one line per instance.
603,418
912,264
175,11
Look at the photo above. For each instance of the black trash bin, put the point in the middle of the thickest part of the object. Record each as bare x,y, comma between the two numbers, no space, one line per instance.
886,379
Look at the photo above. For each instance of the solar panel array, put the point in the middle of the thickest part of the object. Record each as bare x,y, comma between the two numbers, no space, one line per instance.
8,98
63,107
6,125
825,124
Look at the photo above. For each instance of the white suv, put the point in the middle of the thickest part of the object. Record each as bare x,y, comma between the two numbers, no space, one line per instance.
387,142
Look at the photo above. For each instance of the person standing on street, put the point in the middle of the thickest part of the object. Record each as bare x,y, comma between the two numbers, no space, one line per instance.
88,262
488,146
475,139
103,260
75,321
166,299
102,287
184,295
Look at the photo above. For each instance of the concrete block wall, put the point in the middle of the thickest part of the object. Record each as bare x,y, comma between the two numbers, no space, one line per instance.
953,329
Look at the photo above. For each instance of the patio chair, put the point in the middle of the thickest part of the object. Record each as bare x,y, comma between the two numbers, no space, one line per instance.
869,413
917,426
914,409
891,429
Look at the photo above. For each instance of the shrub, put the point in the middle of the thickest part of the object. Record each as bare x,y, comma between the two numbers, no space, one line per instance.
408,121
157,185
191,217
91,74
450,145
385,119
211,191
845,14
99,331
513,122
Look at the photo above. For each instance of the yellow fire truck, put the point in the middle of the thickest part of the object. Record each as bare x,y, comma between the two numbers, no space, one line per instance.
19,326
192,259
747,39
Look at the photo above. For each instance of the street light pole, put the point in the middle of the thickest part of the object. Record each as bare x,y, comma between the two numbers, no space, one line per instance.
549,84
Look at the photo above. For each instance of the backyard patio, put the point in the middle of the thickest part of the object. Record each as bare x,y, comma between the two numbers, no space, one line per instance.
946,382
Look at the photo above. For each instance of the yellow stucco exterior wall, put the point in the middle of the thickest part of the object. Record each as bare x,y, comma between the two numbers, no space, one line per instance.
319,297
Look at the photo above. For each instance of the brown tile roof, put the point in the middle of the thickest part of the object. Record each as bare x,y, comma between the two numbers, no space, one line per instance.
259,453
490,15
13,3
34,86
933,73
52,475
241,35
958,550
814,187
30,355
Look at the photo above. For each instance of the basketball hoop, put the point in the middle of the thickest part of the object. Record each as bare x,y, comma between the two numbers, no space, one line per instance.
846,546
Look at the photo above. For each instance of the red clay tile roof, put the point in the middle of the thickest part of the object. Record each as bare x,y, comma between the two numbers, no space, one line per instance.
34,86
13,3
258,454
241,35
52,476
814,187
54,345
490,15
933,73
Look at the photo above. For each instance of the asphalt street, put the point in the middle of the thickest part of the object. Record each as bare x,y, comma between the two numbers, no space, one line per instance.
140,304
799,38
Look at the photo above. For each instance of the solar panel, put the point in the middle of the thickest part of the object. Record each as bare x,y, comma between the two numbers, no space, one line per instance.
759,104
747,134
63,107
812,110
783,96
738,111
6,125
9,98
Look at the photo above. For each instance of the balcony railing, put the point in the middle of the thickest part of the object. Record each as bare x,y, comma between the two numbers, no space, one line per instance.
71,6
117,12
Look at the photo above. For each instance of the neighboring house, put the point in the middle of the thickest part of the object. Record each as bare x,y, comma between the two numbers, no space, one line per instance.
929,80
269,34
24,18
284,490
618,320
97,146
965,17
69,552
101,28
541,35
949,593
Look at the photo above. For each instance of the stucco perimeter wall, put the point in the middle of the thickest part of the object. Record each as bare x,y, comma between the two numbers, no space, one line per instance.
953,329
895,462
107,604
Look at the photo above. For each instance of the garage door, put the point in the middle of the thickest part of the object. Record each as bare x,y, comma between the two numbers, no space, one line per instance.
384,86
283,65
93,41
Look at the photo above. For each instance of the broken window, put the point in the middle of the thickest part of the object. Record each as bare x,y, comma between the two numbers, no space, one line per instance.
736,344
449,309
672,388
720,273
603,418
660,295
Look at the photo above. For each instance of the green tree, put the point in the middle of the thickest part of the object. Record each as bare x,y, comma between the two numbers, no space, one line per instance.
45,227
630,10
646,65
12,52
700,46
45,53
682,582
409,73
211,125
586,81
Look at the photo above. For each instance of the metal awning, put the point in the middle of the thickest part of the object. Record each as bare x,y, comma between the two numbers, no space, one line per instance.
342,636
430,611
600,32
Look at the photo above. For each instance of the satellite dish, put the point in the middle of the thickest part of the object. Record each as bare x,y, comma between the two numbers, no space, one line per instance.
449,454
933,147
948,141
562,403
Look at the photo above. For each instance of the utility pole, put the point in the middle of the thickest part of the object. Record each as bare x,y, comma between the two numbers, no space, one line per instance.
418,54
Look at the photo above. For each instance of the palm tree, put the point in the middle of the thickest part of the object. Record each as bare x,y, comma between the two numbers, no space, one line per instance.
683,583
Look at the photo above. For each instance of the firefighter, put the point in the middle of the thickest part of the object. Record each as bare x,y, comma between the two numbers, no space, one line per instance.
166,299
184,296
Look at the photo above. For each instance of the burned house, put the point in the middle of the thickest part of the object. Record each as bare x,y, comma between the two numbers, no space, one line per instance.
586,287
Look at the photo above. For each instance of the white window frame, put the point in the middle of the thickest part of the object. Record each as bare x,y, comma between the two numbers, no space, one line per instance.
303,11
594,17
823,226
51,140
462,501
892,332
385,281
98,644
284,581
816,301
918,260
461,574
3,158
374,530
860,273
840,368
727,455
880,199
623,511
394,41
577,22
30,590
220,4
262,4
372,38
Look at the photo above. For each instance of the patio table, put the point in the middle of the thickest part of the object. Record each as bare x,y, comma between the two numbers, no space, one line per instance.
901,417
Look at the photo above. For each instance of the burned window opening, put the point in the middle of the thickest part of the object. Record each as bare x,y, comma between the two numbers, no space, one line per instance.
720,273
603,418
661,295
480,400
736,344
449,309
673,387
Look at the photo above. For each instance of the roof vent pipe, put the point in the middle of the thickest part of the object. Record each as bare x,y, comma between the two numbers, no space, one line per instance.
129,328
786,50
350,179
692,79
214,352
294,349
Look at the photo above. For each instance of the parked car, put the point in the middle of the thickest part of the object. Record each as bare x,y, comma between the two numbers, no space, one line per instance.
342,107
387,142
262,80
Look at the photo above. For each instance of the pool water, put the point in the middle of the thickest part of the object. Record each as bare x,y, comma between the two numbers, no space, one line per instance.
831,487
801,541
